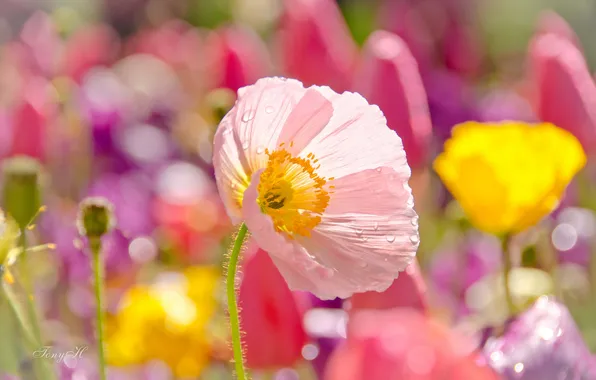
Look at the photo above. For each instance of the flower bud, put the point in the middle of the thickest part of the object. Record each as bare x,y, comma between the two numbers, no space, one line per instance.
21,193
96,217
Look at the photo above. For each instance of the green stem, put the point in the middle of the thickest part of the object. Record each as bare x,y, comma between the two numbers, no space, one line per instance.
233,304
507,266
95,244
42,367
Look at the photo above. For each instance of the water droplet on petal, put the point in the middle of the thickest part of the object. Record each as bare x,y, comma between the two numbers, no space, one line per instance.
414,239
415,221
234,185
359,232
390,238
245,145
248,116
376,226
364,238
260,150
269,109
519,367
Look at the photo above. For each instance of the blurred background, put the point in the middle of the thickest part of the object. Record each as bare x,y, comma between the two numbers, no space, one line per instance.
121,99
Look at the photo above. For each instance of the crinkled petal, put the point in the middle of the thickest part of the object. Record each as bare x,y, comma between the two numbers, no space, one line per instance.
368,236
355,139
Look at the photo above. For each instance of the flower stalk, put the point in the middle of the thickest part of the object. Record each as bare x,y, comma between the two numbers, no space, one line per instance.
233,304
95,220
507,267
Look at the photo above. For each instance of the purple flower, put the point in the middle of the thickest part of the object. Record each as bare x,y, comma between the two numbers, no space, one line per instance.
542,343
453,272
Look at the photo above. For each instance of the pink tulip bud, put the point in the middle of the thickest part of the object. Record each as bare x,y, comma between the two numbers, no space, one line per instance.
408,22
315,44
238,57
407,291
551,22
564,89
270,317
389,78
30,119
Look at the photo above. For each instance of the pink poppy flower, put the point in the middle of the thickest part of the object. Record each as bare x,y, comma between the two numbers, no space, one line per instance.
405,345
271,317
321,183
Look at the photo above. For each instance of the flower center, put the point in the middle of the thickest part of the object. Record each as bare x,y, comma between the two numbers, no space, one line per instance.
291,192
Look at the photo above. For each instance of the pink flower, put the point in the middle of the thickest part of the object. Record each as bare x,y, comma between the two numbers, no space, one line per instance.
321,183
237,57
389,78
407,291
316,45
564,89
404,345
273,334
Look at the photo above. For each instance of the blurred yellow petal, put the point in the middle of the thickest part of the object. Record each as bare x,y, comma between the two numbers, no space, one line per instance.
167,321
508,176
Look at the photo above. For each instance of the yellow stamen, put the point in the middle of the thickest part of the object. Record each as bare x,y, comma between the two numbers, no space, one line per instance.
291,193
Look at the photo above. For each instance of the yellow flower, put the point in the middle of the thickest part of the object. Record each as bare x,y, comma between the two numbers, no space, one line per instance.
167,321
508,176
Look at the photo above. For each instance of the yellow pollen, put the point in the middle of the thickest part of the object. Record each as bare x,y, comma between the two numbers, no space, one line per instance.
291,193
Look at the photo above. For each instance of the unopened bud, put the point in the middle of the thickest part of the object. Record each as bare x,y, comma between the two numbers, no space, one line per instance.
21,191
96,217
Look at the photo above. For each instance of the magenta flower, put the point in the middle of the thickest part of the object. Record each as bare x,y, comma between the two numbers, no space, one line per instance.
271,318
321,183
237,58
316,45
565,91
389,78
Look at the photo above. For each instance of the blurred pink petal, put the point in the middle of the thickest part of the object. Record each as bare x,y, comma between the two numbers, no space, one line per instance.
348,224
389,78
89,47
237,56
405,20
551,22
176,43
407,291
315,44
565,91
402,344
41,38
271,319
462,49
30,120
